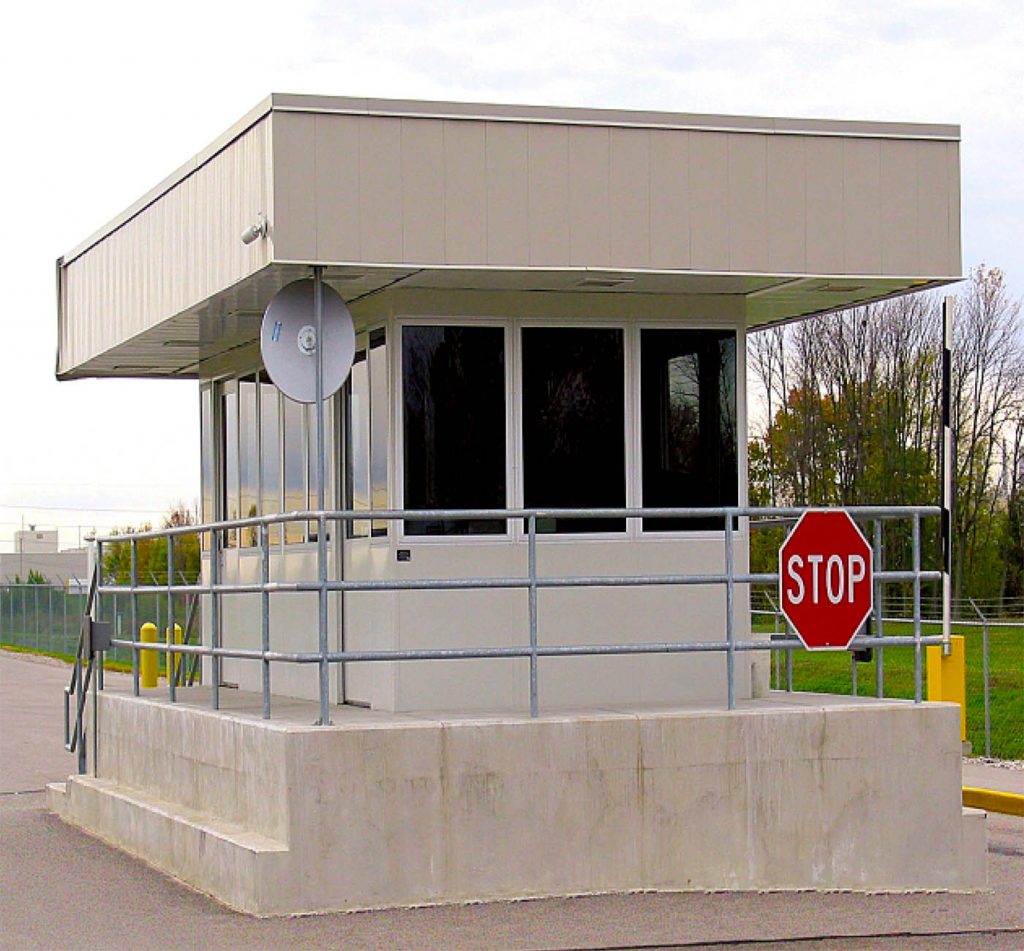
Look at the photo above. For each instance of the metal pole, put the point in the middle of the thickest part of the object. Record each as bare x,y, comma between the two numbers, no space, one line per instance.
321,467
265,616
215,543
98,614
776,654
948,465
917,605
730,627
135,615
532,558
984,675
879,612
64,623
172,667
853,674
49,618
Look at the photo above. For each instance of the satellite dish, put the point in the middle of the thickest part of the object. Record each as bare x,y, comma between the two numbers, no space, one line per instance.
288,341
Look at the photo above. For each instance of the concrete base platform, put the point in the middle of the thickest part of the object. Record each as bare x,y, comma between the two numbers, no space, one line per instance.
277,817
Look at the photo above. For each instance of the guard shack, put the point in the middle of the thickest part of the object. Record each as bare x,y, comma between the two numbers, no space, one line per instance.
551,308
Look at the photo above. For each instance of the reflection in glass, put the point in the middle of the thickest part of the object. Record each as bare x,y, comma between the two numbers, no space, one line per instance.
574,452
378,365
688,423
248,458
230,456
359,444
312,475
208,459
453,397
294,468
270,454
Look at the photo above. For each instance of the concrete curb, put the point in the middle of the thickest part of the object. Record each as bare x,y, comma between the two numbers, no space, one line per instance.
994,800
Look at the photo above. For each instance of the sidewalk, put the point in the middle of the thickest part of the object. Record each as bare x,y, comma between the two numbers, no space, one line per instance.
62,888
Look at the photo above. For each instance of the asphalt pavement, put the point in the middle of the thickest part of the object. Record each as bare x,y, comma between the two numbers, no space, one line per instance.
61,888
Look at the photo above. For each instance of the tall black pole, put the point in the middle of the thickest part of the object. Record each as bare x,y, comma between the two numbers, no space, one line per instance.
948,470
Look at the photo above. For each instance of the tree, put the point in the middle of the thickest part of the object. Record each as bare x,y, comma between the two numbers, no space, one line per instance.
853,417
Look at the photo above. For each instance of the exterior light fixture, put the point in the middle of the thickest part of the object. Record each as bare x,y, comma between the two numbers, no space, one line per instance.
256,231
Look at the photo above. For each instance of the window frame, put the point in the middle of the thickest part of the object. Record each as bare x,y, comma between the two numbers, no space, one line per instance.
628,415
397,443
715,326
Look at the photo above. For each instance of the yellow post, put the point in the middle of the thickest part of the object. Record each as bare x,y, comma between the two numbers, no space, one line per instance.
947,676
147,659
173,660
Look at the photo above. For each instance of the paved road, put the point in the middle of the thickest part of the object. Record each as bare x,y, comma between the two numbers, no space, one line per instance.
60,888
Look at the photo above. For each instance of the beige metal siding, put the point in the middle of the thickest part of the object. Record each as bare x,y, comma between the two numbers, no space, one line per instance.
174,253
446,192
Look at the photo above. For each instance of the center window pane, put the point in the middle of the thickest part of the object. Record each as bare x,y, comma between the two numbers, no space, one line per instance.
574,448
453,392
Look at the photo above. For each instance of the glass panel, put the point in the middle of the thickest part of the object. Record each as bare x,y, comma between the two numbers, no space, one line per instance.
294,468
359,443
270,454
312,481
688,423
207,457
230,457
574,446
248,458
453,393
378,428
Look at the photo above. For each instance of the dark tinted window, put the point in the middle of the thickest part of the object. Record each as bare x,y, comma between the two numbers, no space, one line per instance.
453,396
574,453
688,422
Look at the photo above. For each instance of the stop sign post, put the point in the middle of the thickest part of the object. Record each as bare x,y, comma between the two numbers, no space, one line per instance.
825,586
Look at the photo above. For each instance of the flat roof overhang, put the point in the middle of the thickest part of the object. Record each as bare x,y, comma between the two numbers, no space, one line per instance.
796,217
196,342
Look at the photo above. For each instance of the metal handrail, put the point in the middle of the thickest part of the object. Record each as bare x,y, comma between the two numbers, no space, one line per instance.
733,521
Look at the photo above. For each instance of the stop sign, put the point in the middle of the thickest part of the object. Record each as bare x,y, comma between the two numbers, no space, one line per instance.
825,588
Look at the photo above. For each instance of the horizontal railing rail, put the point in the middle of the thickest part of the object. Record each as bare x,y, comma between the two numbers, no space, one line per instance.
734,521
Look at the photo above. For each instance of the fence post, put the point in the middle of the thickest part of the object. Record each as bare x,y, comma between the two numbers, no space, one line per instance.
984,675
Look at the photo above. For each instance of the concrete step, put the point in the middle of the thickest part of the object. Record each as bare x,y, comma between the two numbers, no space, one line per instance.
233,863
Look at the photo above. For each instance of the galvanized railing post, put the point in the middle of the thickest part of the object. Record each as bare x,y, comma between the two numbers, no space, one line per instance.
916,555
135,615
265,615
853,675
172,658
984,675
879,613
730,625
532,559
325,667
215,543
98,615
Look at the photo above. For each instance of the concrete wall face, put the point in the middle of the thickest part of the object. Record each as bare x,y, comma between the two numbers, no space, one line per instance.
810,792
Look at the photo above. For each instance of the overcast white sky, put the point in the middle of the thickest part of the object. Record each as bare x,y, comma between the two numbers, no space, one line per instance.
104,99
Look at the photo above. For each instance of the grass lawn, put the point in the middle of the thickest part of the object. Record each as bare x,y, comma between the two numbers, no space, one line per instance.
829,672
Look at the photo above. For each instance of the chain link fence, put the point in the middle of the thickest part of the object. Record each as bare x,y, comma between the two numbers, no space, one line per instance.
47,618
993,633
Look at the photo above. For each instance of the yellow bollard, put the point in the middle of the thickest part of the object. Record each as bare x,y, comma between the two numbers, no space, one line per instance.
148,659
947,676
173,660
